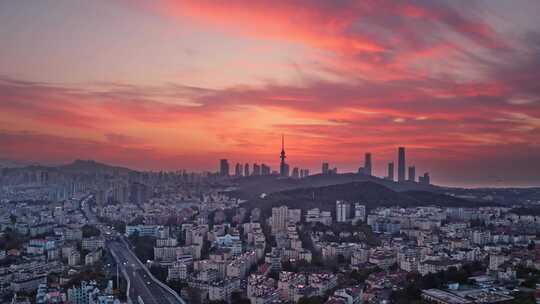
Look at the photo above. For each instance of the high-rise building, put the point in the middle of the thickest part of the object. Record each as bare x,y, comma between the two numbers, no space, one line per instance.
86,293
424,179
283,167
100,197
280,218
359,212
342,211
256,170
390,175
367,164
139,193
286,170
224,167
265,170
295,172
120,193
412,174
401,164
325,167
238,170
246,169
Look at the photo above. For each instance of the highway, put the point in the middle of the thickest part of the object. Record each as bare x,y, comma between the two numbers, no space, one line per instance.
140,282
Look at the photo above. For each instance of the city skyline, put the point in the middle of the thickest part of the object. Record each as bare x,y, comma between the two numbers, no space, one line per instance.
284,169
167,85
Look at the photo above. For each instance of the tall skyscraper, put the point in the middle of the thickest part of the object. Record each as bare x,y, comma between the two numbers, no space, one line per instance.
367,164
325,167
296,172
120,193
238,170
256,170
101,197
412,174
224,167
280,218
246,169
342,211
138,193
401,164
265,170
359,212
390,175
424,179
283,168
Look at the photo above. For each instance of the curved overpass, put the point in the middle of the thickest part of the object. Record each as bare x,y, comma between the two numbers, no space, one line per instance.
140,281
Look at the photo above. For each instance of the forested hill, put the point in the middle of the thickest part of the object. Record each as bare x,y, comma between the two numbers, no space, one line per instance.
253,186
368,193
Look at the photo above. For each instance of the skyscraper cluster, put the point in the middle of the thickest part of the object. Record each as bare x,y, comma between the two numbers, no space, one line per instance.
405,174
346,212
263,169
244,169
326,169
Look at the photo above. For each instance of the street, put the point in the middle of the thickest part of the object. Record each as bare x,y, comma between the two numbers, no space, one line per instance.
141,284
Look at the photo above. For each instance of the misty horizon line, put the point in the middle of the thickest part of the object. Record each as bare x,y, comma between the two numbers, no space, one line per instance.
344,171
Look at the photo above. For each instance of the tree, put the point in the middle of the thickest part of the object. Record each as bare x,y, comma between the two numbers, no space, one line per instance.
524,298
205,249
137,221
144,246
415,283
120,226
12,240
311,300
236,298
90,231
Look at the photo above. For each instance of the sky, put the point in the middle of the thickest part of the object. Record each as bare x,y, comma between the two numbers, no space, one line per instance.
173,85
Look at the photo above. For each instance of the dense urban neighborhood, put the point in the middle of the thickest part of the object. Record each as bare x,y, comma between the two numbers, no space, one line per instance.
90,233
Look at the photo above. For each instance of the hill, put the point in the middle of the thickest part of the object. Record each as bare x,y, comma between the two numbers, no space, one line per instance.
78,167
254,186
91,166
368,193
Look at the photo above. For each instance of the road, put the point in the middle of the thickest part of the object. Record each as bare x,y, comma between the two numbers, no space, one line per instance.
140,282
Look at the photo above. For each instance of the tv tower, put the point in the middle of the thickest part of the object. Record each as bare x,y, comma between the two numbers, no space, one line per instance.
283,166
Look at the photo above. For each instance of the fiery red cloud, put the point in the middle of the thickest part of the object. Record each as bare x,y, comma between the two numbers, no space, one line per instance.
435,77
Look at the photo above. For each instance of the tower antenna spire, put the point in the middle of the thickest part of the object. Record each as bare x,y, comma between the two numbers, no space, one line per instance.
283,166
